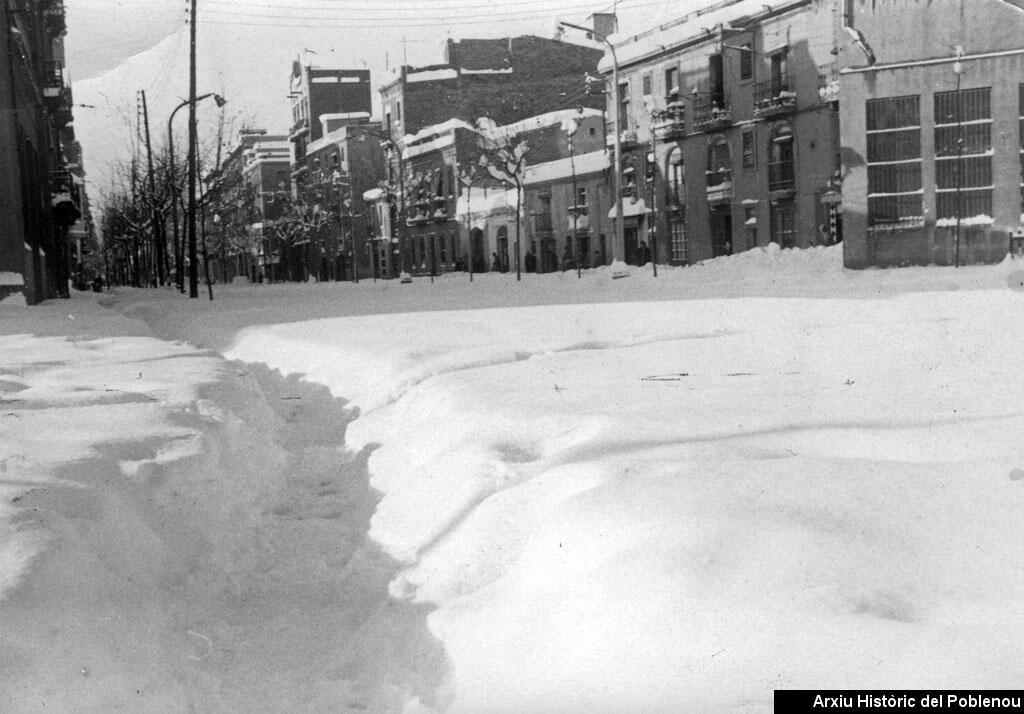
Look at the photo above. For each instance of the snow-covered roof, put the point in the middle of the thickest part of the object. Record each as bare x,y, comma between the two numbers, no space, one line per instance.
435,130
701,22
374,194
430,75
582,164
543,120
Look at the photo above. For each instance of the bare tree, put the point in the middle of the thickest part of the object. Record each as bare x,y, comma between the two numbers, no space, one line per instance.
505,153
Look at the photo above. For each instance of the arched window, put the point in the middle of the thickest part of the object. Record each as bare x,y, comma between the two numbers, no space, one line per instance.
781,172
675,186
719,169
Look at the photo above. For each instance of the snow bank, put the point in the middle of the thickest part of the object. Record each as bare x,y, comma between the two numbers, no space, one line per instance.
619,507
62,399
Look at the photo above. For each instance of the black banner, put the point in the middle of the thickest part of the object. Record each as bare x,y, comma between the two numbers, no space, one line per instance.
902,700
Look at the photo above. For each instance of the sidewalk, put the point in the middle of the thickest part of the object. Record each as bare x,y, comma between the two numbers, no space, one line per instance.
182,533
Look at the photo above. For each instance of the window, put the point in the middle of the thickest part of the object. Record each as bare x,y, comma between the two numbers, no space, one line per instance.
716,80
963,154
624,107
746,61
749,148
719,162
676,179
581,200
647,85
672,84
781,174
894,161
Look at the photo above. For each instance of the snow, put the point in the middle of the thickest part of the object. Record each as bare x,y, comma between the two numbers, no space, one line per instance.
618,494
431,75
541,120
979,220
9,278
64,397
588,163
632,207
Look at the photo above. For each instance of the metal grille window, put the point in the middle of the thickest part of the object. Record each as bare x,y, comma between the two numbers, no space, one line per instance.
895,190
677,234
963,154
647,85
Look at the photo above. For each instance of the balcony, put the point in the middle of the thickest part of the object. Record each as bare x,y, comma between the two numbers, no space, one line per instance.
627,139
440,208
719,189
301,128
774,97
828,83
781,180
670,123
54,17
711,113
52,80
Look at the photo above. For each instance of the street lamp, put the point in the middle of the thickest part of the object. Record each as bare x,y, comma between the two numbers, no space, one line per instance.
958,69
618,245
179,258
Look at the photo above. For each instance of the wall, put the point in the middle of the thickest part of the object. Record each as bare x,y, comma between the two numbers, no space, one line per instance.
992,26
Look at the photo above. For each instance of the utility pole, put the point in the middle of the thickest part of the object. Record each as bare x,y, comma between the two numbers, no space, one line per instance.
193,258
159,249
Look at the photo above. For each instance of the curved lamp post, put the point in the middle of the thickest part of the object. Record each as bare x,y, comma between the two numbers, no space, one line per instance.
619,244
179,258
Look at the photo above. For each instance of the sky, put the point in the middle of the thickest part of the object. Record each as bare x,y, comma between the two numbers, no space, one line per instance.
245,52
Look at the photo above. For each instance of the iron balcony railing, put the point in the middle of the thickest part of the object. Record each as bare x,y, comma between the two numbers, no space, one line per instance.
670,123
774,96
828,82
781,176
711,113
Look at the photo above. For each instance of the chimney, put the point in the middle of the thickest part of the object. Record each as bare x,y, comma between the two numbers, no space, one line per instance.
604,24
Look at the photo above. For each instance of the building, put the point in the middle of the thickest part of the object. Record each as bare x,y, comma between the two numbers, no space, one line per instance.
729,130
505,80
932,129
339,167
39,198
324,103
254,177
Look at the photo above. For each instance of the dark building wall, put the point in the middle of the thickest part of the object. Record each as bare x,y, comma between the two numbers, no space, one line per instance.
349,91
546,75
31,243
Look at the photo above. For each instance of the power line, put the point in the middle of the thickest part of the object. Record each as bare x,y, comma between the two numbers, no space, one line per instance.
292,19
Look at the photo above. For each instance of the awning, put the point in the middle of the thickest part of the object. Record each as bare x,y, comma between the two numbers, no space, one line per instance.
630,209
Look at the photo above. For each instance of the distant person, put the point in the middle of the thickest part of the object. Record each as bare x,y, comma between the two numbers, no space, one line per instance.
568,262
643,253
530,261
552,260
97,284
495,263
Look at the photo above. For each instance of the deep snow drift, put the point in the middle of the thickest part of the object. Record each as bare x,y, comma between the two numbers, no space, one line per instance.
678,494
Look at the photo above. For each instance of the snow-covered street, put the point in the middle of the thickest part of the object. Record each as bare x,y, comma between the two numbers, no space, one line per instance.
588,495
